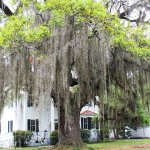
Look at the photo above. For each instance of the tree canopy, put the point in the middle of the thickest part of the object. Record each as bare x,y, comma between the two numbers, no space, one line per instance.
22,25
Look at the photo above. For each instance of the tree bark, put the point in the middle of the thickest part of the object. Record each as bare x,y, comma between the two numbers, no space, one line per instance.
69,126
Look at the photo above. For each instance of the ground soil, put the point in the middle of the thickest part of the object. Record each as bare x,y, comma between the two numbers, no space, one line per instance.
142,146
63,148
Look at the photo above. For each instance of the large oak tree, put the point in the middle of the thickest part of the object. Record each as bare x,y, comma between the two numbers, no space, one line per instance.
74,51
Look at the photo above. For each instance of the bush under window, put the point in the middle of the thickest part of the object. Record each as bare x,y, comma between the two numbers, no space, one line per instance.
22,138
85,135
54,137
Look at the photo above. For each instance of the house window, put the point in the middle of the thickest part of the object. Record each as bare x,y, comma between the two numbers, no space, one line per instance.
33,125
10,126
56,124
86,123
30,101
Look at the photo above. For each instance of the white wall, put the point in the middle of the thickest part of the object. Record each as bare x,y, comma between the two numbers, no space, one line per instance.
93,108
8,114
141,132
45,112
19,114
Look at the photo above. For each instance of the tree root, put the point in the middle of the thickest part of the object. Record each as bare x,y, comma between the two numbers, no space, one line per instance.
64,148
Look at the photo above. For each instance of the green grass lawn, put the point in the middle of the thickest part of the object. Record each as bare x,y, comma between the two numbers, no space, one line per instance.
112,145
129,144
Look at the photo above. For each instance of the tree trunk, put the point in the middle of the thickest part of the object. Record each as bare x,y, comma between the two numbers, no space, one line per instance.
117,129
67,94
102,134
69,126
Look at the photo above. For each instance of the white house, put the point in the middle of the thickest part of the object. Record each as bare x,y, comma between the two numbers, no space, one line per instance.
41,118
86,115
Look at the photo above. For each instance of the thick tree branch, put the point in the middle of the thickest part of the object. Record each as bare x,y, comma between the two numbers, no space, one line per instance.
137,61
125,9
5,8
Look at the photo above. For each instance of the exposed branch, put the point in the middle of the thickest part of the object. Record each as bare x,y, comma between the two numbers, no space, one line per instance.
5,8
125,9
129,57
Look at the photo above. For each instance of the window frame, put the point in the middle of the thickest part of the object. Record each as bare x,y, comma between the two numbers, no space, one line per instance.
33,125
86,123
56,124
10,126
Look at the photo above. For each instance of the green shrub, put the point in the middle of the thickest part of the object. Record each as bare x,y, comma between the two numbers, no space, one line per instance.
76,148
104,131
85,134
54,137
21,137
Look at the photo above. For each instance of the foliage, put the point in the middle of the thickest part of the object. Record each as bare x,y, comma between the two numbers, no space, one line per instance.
105,131
85,134
144,117
123,111
22,28
54,137
21,137
76,148
95,119
133,39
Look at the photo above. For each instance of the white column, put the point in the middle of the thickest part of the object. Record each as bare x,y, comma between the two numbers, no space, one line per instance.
52,116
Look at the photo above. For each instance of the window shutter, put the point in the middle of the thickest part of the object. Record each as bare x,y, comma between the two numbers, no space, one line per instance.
56,125
29,101
37,125
11,126
97,125
89,123
8,126
81,123
28,124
